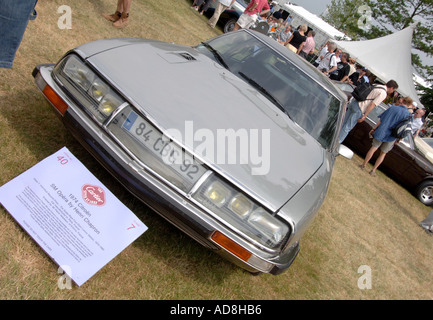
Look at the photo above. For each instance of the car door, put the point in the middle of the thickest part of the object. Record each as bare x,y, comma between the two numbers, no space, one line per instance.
399,162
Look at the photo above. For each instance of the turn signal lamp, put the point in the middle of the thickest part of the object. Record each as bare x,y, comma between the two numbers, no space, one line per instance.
55,99
231,246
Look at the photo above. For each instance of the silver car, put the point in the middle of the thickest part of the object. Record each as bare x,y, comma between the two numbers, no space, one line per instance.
233,141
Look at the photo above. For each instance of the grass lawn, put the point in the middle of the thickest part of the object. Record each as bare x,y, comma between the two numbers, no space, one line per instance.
365,223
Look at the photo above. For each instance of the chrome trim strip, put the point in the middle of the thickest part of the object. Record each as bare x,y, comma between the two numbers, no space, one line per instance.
114,114
199,182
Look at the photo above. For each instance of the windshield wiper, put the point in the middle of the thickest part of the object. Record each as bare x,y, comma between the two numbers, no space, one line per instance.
265,92
216,55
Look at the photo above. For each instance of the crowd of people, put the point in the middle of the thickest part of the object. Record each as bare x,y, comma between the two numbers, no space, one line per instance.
330,60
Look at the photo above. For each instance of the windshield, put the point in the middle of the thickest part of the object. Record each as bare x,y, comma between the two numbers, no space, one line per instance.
300,97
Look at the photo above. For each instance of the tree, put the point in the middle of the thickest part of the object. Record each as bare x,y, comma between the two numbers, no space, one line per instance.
400,14
426,97
344,15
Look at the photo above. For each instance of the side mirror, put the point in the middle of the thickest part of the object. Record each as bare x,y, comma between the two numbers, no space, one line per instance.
345,151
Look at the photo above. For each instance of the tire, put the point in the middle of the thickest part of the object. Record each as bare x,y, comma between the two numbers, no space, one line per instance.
229,26
424,192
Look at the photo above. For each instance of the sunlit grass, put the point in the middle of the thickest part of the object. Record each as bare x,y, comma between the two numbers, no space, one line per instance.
364,220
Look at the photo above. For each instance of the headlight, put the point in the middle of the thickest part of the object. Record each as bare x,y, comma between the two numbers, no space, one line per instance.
78,72
242,213
98,90
108,104
217,193
92,92
272,228
240,205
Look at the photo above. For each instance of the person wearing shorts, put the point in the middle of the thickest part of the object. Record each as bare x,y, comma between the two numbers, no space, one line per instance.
385,147
382,132
251,13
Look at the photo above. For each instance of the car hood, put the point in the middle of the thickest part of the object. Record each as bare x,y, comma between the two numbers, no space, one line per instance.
180,89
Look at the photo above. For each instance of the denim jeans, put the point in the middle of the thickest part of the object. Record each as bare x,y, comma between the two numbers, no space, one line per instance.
14,16
353,113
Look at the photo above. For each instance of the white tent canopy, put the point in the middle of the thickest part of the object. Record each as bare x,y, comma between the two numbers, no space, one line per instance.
388,57
314,20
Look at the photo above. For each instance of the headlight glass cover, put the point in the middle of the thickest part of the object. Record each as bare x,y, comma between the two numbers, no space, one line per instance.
244,214
92,92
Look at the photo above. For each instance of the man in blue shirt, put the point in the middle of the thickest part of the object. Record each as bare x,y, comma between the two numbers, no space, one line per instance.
382,132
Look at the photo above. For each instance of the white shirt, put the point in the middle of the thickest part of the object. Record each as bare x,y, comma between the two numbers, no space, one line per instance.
416,124
226,2
328,61
322,53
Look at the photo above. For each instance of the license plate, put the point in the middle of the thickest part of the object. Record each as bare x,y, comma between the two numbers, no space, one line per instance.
162,147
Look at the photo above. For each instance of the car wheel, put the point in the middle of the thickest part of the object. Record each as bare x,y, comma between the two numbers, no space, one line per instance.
230,25
424,193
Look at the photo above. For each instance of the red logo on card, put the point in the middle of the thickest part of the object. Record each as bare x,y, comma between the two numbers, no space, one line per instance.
93,195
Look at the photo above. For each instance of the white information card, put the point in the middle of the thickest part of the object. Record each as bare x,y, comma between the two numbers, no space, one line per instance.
70,214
